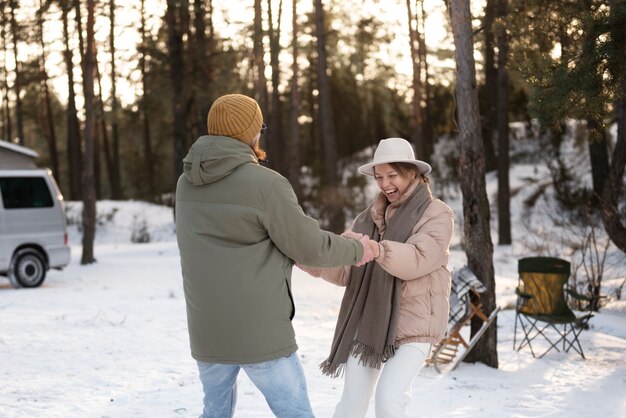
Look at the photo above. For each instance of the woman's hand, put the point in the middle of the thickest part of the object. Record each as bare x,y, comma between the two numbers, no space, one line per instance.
370,247
368,254
375,248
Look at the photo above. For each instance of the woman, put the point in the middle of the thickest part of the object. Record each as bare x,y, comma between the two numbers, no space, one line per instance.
396,306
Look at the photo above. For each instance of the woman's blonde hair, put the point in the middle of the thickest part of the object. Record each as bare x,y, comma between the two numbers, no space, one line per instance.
409,170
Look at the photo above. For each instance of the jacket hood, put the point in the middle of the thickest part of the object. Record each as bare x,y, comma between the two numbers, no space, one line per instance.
212,158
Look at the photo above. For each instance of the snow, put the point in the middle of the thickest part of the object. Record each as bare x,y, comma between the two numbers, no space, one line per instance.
110,339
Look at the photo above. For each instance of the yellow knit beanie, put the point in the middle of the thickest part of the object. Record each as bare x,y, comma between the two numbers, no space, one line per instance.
236,116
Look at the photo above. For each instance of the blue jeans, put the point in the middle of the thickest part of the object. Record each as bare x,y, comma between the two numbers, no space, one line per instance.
281,381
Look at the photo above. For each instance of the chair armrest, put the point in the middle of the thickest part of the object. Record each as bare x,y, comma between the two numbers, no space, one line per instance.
583,321
577,295
522,294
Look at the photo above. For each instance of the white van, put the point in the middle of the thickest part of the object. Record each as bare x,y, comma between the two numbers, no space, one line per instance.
33,235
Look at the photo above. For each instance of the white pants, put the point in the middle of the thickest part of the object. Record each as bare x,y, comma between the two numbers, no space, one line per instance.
393,392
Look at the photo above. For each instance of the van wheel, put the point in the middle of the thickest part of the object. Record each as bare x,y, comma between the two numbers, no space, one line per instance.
28,268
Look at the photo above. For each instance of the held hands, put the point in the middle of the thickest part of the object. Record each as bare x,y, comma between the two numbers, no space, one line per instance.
370,250
375,247
352,235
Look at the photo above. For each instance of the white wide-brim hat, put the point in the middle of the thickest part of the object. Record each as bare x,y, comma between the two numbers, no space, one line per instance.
394,150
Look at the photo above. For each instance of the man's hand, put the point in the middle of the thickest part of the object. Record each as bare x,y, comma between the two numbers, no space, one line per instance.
352,235
368,252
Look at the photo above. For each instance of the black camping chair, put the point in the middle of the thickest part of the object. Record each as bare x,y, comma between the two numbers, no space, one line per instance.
542,307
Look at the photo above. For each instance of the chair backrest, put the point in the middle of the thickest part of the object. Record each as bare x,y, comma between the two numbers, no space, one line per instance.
463,281
543,278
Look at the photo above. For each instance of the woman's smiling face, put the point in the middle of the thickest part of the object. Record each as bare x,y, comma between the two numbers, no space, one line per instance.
391,182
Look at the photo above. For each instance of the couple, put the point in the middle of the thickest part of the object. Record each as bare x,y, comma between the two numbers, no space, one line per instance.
240,230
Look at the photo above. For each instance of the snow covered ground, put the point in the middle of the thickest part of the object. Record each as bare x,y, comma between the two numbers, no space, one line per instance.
110,339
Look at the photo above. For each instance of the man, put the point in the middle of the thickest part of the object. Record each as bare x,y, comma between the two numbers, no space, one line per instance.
240,230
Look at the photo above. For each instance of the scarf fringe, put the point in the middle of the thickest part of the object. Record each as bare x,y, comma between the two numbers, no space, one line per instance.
367,357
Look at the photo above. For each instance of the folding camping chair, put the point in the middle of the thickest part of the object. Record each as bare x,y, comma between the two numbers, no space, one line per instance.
541,307
448,353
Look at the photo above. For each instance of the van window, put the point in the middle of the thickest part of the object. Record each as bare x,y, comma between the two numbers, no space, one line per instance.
25,192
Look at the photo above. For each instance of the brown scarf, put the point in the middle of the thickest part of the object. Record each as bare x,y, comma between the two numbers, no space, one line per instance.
368,317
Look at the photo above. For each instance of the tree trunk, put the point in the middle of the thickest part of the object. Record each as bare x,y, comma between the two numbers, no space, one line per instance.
275,132
79,30
259,64
202,67
504,194
89,193
148,155
330,178
97,167
116,186
7,128
108,160
429,140
175,24
478,244
599,156
607,176
293,143
49,131
19,114
7,131
98,116
418,136
489,123
611,219
74,151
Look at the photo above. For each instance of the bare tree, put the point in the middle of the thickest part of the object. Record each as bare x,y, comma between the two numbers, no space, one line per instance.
489,122
259,63
78,18
504,194
17,85
7,128
89,192
116,186
177,25
478,244
201,56
418,135
49,130
104,134
330,178
293,142
275,132
74,151
148,154
426,115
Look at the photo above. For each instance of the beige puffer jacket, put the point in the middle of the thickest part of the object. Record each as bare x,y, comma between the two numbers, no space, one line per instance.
421,264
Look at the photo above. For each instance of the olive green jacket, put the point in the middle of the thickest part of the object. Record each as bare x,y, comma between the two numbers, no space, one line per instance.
240,229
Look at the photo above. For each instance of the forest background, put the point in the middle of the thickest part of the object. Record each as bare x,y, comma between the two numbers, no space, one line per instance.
112,94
